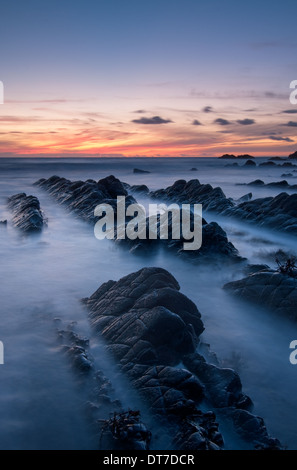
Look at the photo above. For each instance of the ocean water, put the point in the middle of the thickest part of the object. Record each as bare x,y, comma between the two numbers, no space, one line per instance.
44,277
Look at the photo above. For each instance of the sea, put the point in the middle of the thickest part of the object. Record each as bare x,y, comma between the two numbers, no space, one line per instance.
43,278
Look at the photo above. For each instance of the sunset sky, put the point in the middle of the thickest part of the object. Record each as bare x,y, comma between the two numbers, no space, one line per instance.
157,78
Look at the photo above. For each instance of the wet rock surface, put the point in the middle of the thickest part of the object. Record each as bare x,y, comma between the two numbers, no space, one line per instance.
153,330
116,428
27,214
278,213
272,289
81,198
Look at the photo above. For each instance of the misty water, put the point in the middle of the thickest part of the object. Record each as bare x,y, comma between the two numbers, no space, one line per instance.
44,277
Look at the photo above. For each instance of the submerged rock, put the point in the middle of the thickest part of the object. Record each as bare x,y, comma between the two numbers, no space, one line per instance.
152,329
27,214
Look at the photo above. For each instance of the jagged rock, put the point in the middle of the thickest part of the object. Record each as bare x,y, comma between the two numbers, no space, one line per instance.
27,214
279,213
272,289
222,386
151,328
193,192
82,197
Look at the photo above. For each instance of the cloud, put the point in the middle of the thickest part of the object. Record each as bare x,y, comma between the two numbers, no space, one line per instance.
246,122
283,139
290,111
291,124
139,111
196,123
208,109
152,120
222,122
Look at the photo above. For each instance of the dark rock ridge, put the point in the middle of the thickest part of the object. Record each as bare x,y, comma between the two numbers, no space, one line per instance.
279,212
151,328
276,184
272,289
215,245
124,430
81,197
194,192
228,156
27,214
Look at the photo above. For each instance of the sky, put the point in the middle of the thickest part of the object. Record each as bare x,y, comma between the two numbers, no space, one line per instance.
138,78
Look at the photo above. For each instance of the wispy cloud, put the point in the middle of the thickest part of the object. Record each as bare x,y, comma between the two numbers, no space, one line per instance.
284,139
291,124
290,111
208,109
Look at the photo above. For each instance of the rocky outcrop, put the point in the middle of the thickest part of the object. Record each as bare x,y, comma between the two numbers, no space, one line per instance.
151,329
194,192
27,214
228,156
278,213
275,184
268,288
250,163
293,156
81,197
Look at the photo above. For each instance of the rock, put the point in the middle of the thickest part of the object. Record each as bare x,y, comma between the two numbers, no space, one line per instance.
287,164
249,163
139,171
227,156
277,159
151,329
287,175
193,192
271,289
232,165
139,189
275,184
255,268
245,157
256,183
27,214
193,169
3,223
82,197
279,213
124,430
269,163
293,156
